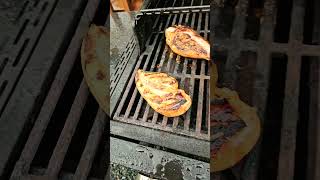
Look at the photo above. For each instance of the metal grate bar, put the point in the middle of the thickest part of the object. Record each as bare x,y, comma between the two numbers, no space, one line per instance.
250,45
155,4
313,165
239,27
175,10
313,160
207,82
291,100
201,87
89,152
261,81
188,115
69,128
290,118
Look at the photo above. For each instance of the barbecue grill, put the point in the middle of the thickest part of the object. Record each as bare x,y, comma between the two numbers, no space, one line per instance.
51,127
268,51
133,119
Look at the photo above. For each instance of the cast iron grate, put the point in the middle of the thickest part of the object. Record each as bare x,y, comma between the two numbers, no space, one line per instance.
282,59
152,4
31,19
193,77
66,140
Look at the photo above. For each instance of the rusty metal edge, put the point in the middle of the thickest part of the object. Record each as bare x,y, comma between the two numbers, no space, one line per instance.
165,139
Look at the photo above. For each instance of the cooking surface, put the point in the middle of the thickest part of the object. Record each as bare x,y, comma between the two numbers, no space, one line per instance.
193,76
274,67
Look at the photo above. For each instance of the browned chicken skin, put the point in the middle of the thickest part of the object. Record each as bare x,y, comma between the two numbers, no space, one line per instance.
161,92
186,42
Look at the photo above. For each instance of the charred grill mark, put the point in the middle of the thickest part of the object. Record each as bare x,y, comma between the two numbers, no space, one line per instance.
228,129
90,58
184,42
223,121
179,96
178,99
157,100
100,75
216,145
154,74
202,51
177,105
172,82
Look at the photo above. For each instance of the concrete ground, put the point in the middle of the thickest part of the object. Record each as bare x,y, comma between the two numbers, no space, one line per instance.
119,172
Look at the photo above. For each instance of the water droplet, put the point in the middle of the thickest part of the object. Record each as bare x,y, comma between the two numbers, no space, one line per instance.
200,176
140,149
188,168
199,166
150,155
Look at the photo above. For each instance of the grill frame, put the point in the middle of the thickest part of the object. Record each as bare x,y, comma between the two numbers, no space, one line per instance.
142,127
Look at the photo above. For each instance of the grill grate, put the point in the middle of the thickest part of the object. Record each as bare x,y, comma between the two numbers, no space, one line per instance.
265,51
152,4
24,28
31,19
193,76
64,156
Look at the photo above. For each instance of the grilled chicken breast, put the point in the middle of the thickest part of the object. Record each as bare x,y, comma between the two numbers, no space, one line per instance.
161,92
186,42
